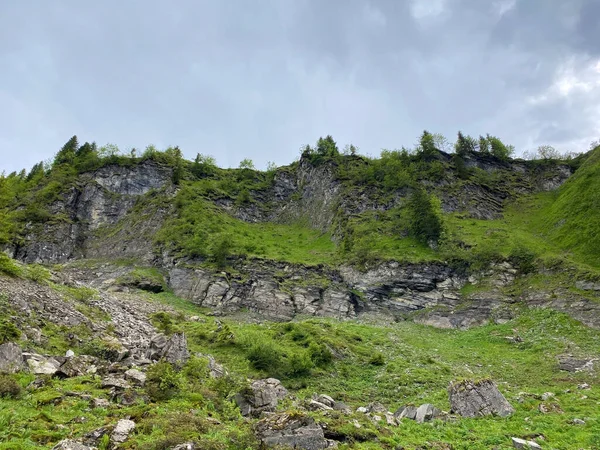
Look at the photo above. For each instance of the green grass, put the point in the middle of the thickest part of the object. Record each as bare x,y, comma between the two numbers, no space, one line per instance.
201,226
418,364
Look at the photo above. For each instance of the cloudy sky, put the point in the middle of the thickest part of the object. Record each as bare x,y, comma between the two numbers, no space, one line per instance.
260,78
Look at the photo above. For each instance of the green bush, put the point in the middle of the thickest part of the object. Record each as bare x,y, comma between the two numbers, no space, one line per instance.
320,355
163,382
377,359
9,388
522,259
8,331
425,221
265,356
8,266
165,323
298,365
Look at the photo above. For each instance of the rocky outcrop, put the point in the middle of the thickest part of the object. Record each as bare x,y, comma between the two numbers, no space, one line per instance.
261,396
122,430
100,198
291,431
478,399
172,349
11,359
70,444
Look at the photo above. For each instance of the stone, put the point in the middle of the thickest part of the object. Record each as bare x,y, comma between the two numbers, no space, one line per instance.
78,366
215,370
40,365
172,349
137,377
70,444
110,382
578,422
547,396
11,358
570,364
477,399
121,431
291,431
100,403
390,419
186,446
326,400
262,395
69,354
426,413
583,386
522,443
409,412
342,407
314,405
94,436
362,409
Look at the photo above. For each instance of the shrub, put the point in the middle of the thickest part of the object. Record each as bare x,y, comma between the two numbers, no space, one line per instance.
8,266
377,359
299,365
8,331
164,322
163,382
9,388
425,221
522,259
265,356
221,250
319,354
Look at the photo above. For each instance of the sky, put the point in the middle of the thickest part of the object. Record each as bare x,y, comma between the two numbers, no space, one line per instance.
259,79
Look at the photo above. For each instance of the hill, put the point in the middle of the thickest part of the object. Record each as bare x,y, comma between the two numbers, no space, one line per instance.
152,289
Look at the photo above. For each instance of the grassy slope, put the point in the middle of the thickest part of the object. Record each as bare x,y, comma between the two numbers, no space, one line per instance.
419,362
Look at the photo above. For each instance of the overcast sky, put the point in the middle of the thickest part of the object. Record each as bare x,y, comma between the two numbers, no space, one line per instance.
260,78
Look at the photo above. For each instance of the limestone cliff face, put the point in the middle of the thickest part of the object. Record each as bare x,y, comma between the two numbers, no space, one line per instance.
100,198
110,214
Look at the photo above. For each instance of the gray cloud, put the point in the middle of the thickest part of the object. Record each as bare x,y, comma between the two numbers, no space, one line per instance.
240,79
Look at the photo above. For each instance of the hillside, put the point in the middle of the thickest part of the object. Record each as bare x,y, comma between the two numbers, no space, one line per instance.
376,282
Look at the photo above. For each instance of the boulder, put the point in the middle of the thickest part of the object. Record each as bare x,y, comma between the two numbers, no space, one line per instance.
570,364
314,405
11,358
426,413
121,431
215,370
262,395
78,366
477,399
70,444
40,365
112,382
522,443
186,446
409,412
100,403
172,349
291,431
136,377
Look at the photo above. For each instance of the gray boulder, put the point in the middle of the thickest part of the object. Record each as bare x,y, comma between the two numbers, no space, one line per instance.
262,395
40,365
477,399
172,349
291,431
408,412
121,431
70,444
569,363
522,443
11,358
78,366
136,377
426,413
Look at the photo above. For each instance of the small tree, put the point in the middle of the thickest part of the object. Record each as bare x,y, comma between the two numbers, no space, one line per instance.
66,154
327,147
246,163
427,149
484,145
425,221
464,144
498,149
204,165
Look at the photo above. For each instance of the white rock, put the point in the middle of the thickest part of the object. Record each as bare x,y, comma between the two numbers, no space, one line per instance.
122,430
70,353
522,443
